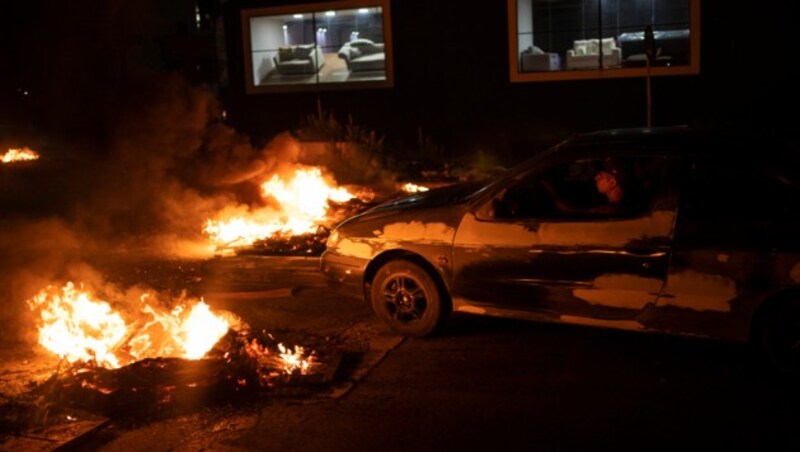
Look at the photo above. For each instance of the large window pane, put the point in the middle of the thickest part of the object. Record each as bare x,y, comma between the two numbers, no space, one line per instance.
318,47
575,35
671,30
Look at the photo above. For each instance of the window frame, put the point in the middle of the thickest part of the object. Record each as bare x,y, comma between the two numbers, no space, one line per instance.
516,76
252,88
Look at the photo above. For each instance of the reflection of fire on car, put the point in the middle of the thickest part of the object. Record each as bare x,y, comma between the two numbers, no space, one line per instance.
708,246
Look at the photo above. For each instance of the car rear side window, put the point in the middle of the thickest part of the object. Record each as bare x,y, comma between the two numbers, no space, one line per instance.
734,204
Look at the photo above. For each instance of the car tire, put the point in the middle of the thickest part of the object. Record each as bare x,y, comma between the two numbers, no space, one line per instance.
405,297
778,336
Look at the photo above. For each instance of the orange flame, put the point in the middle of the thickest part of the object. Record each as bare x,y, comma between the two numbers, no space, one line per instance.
303,200
410,187
18,155
295,360
78,328
289,360
177,333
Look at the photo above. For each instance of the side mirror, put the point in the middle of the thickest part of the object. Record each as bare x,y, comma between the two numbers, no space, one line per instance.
503,209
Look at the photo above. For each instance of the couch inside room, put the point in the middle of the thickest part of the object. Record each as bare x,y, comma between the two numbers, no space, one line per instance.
585,54
534,59
672,47
363,55
298,60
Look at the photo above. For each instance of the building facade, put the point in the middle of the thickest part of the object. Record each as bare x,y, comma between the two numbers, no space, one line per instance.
507,77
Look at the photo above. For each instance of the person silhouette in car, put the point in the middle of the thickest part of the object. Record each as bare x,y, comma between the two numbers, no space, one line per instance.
611,181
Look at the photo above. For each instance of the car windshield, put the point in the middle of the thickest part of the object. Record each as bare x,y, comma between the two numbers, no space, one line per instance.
487,185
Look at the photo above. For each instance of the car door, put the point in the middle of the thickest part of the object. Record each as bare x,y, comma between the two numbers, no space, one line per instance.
730,247
568,265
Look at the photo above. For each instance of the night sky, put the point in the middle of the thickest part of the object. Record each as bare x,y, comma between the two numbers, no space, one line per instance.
69,65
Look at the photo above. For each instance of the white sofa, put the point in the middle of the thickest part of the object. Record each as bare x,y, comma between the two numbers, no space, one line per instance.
534,59
585,54
363,55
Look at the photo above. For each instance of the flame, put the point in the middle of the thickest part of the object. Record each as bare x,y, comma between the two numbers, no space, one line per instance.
294,360
17,155
413,188
78,328
201,331
176,333
304,198
291,361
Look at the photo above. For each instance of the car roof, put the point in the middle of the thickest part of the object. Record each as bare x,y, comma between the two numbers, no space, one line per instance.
740,148
683,140
677,137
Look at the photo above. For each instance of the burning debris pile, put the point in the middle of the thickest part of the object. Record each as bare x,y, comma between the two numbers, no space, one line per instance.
307,205
242,364
78,327
304,205
150,361
303,234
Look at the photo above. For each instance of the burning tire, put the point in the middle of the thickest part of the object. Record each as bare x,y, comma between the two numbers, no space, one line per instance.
406,297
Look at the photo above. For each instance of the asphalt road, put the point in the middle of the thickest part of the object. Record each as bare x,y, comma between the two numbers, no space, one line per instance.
498,385
484,384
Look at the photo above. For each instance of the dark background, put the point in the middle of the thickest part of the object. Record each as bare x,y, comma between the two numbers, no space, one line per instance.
81,61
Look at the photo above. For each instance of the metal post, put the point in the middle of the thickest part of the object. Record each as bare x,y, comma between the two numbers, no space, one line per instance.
650,52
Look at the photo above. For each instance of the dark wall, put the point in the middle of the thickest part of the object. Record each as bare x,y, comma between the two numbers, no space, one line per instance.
76,60
452,82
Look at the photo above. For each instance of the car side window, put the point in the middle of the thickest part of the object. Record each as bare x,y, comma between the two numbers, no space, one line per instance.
734,205
587,188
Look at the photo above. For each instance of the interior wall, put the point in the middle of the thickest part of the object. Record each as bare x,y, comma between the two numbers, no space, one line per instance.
525,23
266,35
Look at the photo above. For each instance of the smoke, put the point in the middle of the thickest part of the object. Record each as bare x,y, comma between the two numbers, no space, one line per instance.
170,164
63,218
173,164
34,253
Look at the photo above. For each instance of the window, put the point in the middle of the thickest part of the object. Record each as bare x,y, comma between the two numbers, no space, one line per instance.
734,205
580,189
584,39
314,46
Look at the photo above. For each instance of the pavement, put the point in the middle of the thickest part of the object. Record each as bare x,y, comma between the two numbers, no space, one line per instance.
283,295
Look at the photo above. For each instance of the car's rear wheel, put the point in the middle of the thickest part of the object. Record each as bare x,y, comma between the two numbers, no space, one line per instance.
406,297
778,335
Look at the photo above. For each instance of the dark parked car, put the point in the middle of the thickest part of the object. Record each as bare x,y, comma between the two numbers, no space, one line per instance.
706,244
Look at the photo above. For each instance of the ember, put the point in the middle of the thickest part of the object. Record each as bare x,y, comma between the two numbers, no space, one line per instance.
18,155
292,245
271,364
